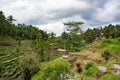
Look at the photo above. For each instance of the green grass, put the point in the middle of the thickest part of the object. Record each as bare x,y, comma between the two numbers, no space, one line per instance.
52,70
110,77
90,69
110,44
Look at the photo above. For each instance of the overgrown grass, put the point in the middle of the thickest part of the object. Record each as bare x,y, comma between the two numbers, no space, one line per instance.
90,69
110,44
110,77
53,70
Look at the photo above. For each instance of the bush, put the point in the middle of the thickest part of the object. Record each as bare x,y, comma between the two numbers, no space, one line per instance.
27,74
89,65
30,62
106,54
53,70
90,69
79,68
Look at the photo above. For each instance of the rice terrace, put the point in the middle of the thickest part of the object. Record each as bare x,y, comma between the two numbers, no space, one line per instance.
59,40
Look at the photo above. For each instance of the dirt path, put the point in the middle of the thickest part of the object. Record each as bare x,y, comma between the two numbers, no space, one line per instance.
87,55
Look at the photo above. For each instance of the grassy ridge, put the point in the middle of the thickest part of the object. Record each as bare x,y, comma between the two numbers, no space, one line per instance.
52,70
110,44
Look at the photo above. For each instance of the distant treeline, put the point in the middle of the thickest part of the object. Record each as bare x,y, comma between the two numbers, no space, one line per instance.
19,31
23,31
110,31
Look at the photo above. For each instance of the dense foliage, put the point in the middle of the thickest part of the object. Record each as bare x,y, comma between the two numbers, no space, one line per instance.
90,69
20,31
53,70
110,31
111,44
44,46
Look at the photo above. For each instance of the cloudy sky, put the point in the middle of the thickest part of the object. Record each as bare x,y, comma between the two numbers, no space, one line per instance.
50,15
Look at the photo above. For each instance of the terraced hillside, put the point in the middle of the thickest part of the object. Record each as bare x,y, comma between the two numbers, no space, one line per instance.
93,53
14,58
89,64
10,69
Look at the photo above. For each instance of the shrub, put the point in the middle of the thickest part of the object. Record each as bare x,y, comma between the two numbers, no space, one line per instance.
27,74
29,62
89,65
79,68
90,69
78,64
53,70
106,54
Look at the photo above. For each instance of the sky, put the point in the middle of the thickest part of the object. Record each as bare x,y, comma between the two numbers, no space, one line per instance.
49,15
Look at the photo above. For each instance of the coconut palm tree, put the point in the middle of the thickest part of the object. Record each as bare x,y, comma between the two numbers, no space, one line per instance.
52,38
11,19
2,23
73,28
64,37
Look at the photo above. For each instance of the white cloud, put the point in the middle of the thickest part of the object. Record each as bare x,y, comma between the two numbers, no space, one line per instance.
23,10
26,10
51,14
53,27
66,4
57,26
109,12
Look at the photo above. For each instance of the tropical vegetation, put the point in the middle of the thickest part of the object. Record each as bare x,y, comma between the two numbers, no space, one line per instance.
26,52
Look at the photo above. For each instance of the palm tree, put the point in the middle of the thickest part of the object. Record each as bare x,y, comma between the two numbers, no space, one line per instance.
73,28
3,27
64,37
11,19
52,38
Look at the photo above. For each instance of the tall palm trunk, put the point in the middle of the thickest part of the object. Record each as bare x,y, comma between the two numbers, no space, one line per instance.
64,45
1,33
